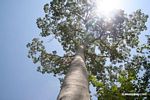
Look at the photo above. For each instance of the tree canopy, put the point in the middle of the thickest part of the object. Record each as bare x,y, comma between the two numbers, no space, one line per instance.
115,58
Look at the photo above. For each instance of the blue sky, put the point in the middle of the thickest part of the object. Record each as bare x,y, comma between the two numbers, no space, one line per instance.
19,79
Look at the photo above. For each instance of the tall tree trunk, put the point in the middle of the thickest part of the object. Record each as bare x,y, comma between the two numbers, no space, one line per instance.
75,85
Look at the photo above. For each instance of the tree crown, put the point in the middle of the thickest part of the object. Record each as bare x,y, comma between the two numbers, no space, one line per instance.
108,42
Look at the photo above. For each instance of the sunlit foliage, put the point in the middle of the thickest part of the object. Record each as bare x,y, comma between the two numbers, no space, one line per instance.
113,68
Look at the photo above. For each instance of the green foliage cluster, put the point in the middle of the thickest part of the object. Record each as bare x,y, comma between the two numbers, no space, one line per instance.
112,67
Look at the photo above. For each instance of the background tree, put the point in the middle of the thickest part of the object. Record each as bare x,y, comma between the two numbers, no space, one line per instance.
108,45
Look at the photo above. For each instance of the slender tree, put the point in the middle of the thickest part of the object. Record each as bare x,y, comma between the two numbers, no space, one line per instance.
97,50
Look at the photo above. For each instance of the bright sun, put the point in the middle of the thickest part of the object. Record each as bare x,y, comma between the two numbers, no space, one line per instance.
107,6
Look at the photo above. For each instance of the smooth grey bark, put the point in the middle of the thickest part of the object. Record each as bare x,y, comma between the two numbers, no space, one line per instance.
75,85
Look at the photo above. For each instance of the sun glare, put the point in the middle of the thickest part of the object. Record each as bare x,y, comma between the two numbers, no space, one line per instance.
105,7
